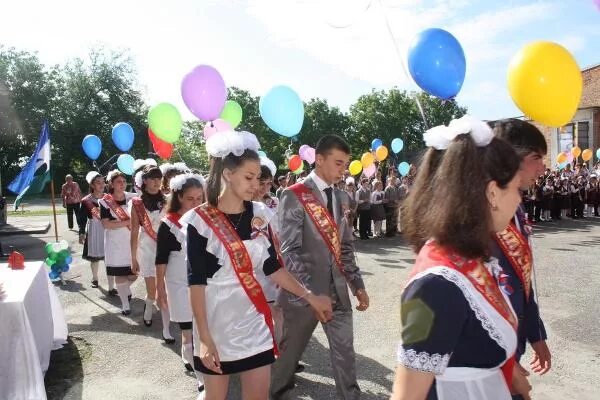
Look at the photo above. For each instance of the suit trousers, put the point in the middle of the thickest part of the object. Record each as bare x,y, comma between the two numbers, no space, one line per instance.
298,326
364,223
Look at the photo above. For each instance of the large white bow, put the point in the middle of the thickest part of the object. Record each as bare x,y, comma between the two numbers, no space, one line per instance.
439,137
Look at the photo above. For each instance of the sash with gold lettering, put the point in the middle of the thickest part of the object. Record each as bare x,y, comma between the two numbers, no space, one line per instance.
143,218
173,218
433,255
92,207
115,208
516,249
240,259
322,220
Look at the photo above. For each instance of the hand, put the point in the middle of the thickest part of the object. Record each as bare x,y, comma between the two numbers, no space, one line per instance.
135,267
81,238
210,356
520,383
161,297
321,306
363,300
541,361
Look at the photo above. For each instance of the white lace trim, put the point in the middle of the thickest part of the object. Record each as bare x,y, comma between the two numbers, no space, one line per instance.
423,361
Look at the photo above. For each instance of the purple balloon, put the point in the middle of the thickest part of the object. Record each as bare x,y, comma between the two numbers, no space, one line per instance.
302,151
310,155
204,93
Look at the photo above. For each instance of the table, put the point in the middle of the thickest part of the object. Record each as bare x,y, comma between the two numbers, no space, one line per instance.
32,324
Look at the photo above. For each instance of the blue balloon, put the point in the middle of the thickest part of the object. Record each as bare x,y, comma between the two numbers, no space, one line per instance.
282,110
65,268
53,275
262,153
125,164
397,145
68,260
375,144
436,62
92,146
598,153
403,168
562,165
122,136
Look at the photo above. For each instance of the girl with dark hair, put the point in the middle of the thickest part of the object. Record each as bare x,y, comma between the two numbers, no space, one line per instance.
91,234
229,242
172,292
170,171
116,221
146,213
458,328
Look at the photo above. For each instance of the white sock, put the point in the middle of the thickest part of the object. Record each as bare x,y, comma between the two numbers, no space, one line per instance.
166,321
199,376
122,290
187,353
94,265
129,283
111,282
149,308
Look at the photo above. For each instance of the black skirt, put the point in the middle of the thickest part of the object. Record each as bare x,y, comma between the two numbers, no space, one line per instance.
237,366
85,252
119,271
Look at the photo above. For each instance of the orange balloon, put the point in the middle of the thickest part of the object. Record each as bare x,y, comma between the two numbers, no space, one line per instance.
576,151
586,154
561,158
367,160
381,153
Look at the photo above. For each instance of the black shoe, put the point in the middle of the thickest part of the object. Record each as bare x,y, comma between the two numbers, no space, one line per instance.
129,298
189,367
167,341
113,292
299,368
126,312
200,388
149,323
94,284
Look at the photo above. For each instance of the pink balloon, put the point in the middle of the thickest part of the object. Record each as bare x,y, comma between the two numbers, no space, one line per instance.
569,157
302,151
204,93
597,3
370,170
218,125
310,155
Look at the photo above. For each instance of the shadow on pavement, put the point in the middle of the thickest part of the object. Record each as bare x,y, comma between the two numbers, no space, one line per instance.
64,379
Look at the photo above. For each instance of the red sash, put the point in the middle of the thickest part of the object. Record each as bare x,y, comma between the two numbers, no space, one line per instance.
115,208
322,220
92,207
173,218
240,259
143,218
433,255
516,249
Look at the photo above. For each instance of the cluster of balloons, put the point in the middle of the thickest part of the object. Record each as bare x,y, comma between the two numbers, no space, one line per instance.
122,136
378,152
566,157
58,258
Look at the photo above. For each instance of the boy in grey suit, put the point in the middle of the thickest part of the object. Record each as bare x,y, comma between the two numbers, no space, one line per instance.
317,248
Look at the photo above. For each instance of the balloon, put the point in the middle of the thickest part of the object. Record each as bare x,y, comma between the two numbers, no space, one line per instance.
294,162
586,155
122,136
563,165
63,253
356,166
370,170
561,158
403,168
545,82
381,153
165,121
576,151
69,259
397,145
436,62
311,155
299,170
56,247
367,160
375,144
49,261
218,125
64,245
282,110
49,248
262,153
570,157
53,275
302,150
598,153
232,113
92,146
125,164
204,93
163,149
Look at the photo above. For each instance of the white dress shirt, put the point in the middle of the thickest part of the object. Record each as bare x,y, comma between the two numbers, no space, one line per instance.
322,185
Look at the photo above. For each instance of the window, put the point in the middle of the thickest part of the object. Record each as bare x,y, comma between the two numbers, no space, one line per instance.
565,138
583,135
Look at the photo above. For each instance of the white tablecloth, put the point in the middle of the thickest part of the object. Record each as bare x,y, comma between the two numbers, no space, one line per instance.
32,324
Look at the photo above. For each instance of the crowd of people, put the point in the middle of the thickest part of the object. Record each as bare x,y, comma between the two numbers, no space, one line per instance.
248,268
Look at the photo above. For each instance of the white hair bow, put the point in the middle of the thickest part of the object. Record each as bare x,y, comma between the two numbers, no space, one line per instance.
177,182
224,143
439,137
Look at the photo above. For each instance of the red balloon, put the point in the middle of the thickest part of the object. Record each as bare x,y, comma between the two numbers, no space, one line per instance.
163,149
294,162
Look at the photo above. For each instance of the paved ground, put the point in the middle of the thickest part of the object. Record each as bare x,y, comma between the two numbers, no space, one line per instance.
110,356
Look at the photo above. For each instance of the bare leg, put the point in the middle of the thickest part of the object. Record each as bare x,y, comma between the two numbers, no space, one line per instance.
255,383
216,387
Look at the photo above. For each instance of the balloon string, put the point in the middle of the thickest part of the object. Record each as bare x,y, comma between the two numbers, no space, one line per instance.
401,59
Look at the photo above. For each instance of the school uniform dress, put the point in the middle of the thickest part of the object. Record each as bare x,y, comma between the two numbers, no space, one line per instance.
169,252
117,248
93,246
242,337
146,250
452,330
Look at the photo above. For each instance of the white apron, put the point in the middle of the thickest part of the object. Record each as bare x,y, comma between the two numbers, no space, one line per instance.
117,247
146,250
176,280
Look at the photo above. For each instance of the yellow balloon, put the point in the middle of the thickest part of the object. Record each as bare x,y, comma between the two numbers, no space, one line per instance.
576,151
355,167
545,82
561,158
367,160
586,154
381,153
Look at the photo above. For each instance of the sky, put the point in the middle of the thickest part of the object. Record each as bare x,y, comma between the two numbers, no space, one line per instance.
337,50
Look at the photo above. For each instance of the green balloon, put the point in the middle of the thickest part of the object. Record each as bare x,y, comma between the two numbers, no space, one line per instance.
232,113
165,121
49,249
53,256
49,262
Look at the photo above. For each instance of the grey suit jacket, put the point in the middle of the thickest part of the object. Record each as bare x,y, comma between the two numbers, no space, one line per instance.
306,255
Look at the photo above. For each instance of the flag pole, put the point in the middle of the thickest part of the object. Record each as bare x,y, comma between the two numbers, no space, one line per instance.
53,205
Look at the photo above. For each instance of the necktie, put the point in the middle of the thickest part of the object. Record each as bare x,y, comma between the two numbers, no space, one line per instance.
328,191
